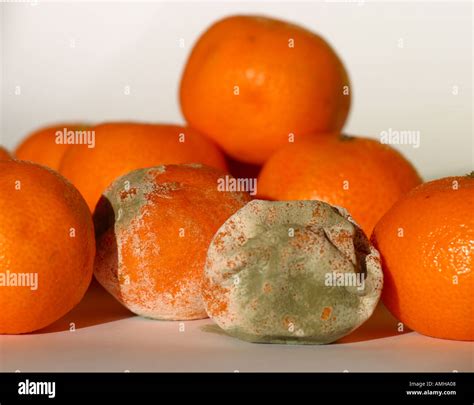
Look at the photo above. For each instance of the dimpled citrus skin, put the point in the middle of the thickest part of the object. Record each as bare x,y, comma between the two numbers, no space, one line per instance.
426,241
122,147
282,89
359,174
41,147
45,228
154,227
266,271
4,155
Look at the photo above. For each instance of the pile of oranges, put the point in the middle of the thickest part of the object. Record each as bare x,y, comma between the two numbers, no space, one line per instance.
259,96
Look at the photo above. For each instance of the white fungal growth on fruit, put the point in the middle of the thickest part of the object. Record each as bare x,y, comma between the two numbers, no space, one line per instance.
313,285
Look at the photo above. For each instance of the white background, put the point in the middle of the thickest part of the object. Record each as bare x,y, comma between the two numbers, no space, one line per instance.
73,61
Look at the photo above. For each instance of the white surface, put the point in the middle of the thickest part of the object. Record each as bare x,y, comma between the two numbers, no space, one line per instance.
109,338
73,61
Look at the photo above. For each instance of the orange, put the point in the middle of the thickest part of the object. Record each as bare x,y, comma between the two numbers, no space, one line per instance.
154,226
46,146
46,247
252,82
4,155
122,147
426,242
359,174
268,272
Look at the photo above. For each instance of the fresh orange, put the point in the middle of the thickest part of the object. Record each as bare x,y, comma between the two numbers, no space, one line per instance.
426,242
153,228
252,82
4,155
46,146
359,174
122,147
46,247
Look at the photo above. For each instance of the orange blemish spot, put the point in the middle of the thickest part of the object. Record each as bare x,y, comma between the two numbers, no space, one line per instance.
128,193
267,288
326,313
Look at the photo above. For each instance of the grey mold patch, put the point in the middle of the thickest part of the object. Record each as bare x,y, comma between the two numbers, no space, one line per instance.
270,262
128,194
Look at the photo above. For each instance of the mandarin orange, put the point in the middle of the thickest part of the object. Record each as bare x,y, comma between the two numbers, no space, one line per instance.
122,147
426,242
359,174
46,247
252,82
